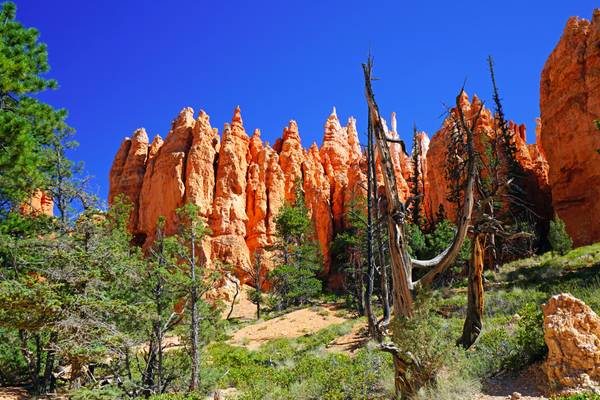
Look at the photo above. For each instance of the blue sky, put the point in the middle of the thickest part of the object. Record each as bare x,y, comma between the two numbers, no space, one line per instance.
127,64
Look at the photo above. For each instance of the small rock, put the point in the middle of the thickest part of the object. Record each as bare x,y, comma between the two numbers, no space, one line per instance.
516,396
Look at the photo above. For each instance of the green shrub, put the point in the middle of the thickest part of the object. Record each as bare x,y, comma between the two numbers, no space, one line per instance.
441,237
432,342
559,239
495,350
416,240
13,368
579,396
507,343
101,393
530,333
300,369
509,302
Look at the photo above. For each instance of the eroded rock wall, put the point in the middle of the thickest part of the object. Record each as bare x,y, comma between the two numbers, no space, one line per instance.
569,103
239,183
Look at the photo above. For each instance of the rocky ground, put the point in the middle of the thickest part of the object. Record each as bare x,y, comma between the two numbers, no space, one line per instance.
525,385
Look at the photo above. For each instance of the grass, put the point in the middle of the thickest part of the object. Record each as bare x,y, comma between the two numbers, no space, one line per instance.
300,368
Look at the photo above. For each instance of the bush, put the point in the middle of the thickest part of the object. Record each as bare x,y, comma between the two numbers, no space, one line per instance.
431,341
509,344
417,246
559,239
530,332
299,369
579,396
13,368
102,393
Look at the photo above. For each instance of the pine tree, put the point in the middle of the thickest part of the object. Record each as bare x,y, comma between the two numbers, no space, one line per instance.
295,278
559,239
27,125
417,181
199,280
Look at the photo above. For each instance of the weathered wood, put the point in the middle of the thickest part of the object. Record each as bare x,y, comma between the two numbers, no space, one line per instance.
401,263
401,270
474,319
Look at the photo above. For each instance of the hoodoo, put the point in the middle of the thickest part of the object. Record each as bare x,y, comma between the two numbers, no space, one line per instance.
240,183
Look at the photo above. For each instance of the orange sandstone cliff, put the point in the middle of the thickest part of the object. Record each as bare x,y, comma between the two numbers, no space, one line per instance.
569,103
238,182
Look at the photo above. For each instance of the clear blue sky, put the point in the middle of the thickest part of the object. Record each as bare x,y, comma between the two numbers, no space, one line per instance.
127,64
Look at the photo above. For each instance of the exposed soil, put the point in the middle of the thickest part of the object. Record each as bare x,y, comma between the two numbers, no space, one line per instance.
350,342
294,324
19,393
527,383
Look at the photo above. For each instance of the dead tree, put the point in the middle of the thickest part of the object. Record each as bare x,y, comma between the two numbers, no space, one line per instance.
401,263
371,205
474,319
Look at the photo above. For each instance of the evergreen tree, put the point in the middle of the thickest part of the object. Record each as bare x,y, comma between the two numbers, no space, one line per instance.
199,280
66,293
27,125
559,239
417,181
295,278
258,275
349,252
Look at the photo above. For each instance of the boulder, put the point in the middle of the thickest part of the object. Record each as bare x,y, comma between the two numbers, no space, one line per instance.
572,333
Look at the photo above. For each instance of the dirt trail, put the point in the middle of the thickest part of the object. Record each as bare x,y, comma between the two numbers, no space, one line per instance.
294,324
526,383
350,342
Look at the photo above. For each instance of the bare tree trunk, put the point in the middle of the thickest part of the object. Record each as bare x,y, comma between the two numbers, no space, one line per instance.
48,381
383,265
474,318
33,363
195,378
237,292
371,319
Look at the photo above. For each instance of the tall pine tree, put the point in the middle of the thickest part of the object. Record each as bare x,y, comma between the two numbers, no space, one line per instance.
27,125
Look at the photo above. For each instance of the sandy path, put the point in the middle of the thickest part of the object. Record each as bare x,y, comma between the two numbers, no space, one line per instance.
291,325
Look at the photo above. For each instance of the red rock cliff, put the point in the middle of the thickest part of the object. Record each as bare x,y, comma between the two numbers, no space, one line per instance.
569,103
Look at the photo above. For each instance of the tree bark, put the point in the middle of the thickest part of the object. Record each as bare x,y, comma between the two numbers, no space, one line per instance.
371,320
474,318
48,381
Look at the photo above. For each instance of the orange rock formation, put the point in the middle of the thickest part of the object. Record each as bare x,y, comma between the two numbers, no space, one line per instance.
38,204
569,103
238,183
572,333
